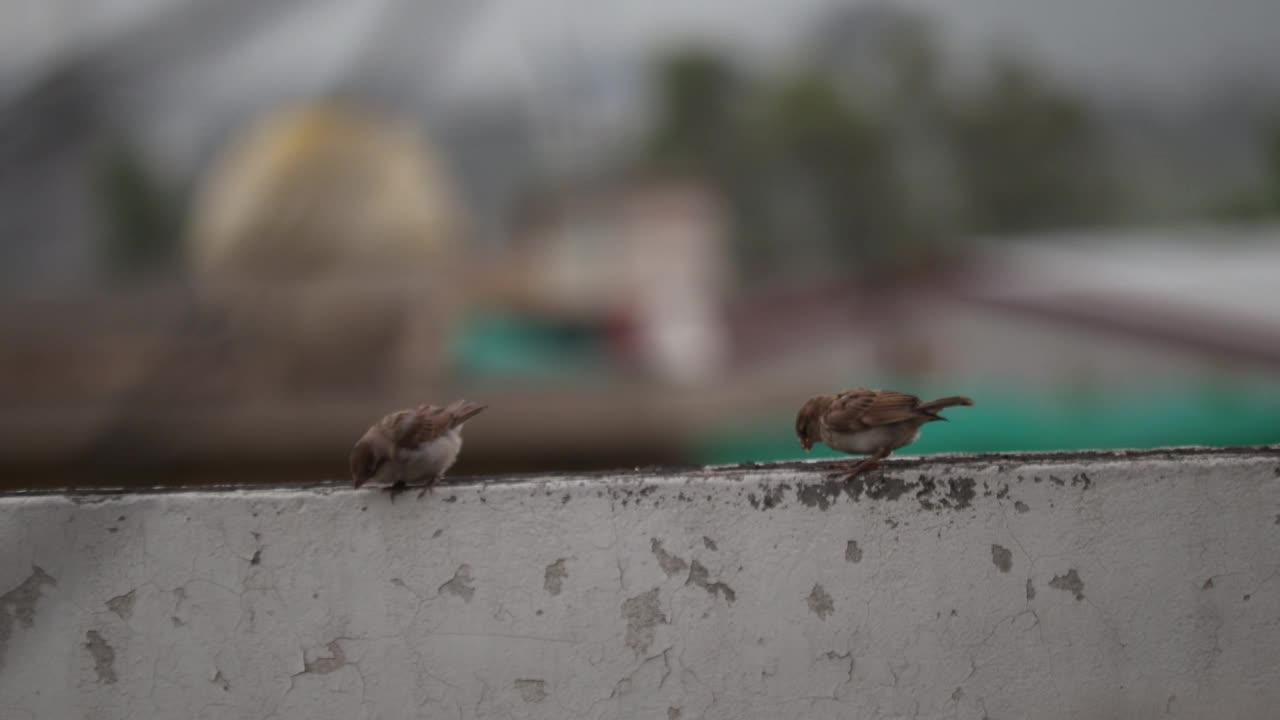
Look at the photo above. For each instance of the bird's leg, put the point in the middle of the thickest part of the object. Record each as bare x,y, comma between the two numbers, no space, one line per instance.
430,487
396,488
849,470
869,463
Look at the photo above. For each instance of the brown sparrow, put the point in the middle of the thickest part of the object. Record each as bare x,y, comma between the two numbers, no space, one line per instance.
868,422
416,445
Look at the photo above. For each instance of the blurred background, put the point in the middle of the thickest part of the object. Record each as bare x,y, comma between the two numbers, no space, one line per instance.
233,233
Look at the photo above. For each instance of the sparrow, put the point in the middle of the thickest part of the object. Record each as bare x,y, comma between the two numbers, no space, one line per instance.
868,422
416,445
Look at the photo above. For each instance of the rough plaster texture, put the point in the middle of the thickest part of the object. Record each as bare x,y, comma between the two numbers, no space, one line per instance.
1065,586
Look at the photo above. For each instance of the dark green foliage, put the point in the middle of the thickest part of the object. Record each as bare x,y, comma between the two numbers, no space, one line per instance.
844,159
140,218
862,160
1271,150
1027,155
697,94
1260,202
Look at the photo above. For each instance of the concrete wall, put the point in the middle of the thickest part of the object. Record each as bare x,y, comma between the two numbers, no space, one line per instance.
1054,586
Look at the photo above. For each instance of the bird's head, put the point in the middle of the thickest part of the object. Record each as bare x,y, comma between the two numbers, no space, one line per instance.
809,421
366,461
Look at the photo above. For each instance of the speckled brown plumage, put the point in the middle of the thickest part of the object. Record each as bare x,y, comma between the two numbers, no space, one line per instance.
417,445
868,422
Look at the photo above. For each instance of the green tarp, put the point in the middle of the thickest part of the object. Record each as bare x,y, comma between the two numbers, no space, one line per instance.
1218,415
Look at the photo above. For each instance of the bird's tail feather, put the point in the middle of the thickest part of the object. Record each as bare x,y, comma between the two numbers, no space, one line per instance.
950,401
461,411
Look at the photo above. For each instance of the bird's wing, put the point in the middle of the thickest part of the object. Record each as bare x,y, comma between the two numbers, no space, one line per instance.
415,427
859,409
845,412
891,407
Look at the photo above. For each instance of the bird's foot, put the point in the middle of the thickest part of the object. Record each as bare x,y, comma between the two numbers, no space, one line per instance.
861,468
858,468
395,489
429,489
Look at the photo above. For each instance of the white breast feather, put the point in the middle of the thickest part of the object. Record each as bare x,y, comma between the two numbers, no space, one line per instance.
431,461
870,440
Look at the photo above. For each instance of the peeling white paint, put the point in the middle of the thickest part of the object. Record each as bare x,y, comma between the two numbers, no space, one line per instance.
1049,587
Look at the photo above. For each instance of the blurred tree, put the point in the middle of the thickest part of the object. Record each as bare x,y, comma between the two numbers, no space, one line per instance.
843,158
861,162
1260,202
879,52
703,129
696,126
1271,148
140,218
1028,156
888,63
810,176
1247,206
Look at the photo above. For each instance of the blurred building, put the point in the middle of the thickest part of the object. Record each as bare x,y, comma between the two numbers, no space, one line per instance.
327,230
325,268
338,265
646,264
1085,340
1172,306
320,192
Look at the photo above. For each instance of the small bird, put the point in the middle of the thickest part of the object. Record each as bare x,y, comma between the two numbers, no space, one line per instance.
416,445
868,422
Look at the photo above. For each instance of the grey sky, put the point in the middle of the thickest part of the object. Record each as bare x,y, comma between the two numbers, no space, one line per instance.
1165,45
1168,44
493,47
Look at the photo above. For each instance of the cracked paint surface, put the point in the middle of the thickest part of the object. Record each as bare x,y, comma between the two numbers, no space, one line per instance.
460,584
1056,587
642,613
852,552
122,605
532,691
104,657
1002,558
700,576
553,577
670,564
1069,582
18,606
819,602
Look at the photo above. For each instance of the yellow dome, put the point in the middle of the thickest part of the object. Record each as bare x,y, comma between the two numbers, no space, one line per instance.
318,191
